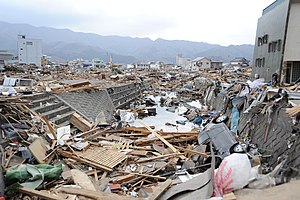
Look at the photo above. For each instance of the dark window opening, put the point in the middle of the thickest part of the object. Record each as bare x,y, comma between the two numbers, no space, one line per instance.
260,41
279,45
265,39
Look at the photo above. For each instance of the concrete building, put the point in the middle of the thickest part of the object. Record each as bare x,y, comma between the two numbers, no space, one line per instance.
200,63
29,51
216,64
142,65
277,45
97,62
184,62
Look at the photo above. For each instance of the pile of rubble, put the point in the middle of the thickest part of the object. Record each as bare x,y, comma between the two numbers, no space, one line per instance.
70,155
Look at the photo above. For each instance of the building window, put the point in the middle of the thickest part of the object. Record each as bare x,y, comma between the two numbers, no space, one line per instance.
270,47
29,43
260,41
21,49
265,39
279,45
260,62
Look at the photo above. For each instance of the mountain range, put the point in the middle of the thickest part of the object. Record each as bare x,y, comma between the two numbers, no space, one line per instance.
65,44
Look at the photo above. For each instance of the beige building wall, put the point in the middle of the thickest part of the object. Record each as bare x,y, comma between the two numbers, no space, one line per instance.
292,50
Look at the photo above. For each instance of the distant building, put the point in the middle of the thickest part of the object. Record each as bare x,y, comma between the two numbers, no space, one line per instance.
142,65
216,64
96,62
240,61
46,60
156,65
29,51
184,62
200,63
277,45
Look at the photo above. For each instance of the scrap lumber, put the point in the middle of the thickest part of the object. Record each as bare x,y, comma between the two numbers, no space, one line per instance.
105,159
79,84
41,194
122,179
138,153
82,180
292,112
191,151
148,140
144,175
75,157
94,194
89,132
39,151
229,196
163,140
80,123
159,190
159,157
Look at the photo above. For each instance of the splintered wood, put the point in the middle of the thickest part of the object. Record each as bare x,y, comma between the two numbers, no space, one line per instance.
106,157
292,112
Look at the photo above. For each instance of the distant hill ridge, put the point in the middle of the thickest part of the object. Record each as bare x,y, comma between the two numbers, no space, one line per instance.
64,44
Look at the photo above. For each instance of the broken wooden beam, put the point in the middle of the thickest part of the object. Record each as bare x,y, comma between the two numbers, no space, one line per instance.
80,123
163,140
159,157
41,194
159,190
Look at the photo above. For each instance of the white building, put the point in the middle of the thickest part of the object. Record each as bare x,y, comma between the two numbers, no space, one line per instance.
201,63
97,62
142,65
29,51
183,61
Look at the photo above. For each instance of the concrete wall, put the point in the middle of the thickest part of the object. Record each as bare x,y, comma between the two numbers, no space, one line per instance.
292,47
273,24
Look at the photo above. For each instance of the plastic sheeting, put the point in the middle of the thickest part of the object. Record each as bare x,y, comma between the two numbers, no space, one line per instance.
32,176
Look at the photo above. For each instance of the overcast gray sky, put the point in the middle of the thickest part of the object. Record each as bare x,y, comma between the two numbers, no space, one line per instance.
222,22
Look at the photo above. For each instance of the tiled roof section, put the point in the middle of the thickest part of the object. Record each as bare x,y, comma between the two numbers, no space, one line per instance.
89,104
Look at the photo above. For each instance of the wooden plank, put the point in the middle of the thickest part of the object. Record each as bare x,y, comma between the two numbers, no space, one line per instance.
147,140
145,175
95,194
137,129
82,180
229,196
39,151
122,179
159,190
89,132
50,127
80,123
41,194
159,157
163,140
138,153
192,151
80,84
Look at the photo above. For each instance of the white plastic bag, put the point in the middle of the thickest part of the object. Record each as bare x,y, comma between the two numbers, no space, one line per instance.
232,174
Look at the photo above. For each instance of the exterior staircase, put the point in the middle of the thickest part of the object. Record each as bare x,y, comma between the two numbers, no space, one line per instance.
49,106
